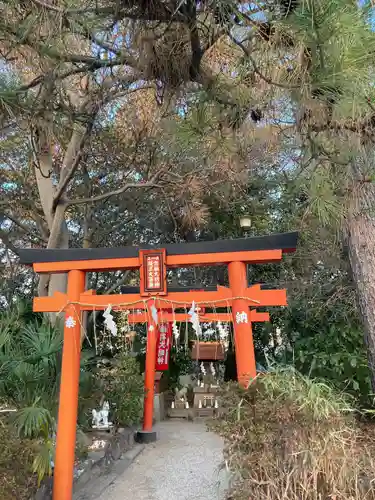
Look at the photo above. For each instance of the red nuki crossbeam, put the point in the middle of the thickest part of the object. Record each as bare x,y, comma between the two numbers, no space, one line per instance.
223,297
143,317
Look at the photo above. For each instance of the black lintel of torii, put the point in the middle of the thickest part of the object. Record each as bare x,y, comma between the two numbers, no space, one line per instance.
286,242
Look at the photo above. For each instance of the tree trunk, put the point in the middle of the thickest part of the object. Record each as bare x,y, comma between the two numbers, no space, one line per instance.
52,197
55,216
48,285
361,239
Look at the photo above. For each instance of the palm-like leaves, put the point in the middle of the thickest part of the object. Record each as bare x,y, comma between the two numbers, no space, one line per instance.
34,421
29,361
42,465
30,356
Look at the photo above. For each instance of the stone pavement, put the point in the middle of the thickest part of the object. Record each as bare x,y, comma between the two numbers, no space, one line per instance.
184,464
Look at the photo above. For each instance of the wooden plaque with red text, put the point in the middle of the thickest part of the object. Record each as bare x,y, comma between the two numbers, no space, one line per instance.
153,272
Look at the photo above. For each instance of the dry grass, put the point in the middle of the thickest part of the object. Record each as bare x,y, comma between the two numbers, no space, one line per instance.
17,482
291,438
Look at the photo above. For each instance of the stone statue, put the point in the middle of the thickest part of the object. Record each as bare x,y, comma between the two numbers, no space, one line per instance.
181,394
100,418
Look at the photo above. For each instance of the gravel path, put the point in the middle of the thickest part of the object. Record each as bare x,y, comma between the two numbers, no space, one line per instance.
183,464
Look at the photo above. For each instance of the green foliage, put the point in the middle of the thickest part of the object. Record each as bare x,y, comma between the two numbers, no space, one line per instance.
123,387
34,421
11,101
313,397
30,356
331,350
89,388
30,363
42,463
180,364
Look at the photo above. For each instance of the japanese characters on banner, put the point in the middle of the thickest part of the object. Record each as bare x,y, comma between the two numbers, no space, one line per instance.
153,272
163,346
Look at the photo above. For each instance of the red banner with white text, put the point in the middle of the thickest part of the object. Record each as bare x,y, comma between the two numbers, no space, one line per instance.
163,346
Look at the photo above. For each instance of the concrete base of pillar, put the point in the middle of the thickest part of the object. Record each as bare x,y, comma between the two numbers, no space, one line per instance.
145,437
159,411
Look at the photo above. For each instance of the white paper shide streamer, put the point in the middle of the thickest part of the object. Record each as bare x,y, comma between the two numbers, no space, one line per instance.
223,335
194,320
175,330
109,322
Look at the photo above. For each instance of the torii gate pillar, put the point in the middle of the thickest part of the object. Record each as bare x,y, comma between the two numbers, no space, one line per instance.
243,336
69,386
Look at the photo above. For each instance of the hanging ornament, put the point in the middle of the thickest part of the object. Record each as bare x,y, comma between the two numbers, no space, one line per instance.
194,319
212,369
154,314
70,322
109,321
223,335
129,339
208,332
279,339
176,332
203,369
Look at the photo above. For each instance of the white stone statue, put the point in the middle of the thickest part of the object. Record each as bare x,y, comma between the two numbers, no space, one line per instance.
100,418
181,394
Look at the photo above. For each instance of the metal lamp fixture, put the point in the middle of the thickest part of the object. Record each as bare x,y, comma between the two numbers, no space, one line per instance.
245,222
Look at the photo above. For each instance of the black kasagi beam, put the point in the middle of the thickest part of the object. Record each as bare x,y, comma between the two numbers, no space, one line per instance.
287,242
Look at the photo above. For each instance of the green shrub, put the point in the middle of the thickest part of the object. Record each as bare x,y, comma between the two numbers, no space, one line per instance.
335,352
30,365
180,364
123,387
322,338
292,438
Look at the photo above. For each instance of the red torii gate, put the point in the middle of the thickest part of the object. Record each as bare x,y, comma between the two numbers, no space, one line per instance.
153,264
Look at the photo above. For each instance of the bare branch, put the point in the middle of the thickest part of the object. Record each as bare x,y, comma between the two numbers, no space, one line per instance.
115,192
24,228
118,283
257,70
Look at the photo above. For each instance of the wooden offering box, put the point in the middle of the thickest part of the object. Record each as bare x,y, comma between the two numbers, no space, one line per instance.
205,412
207,351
